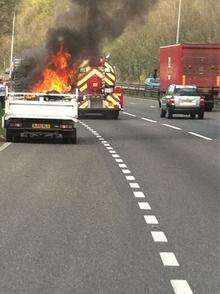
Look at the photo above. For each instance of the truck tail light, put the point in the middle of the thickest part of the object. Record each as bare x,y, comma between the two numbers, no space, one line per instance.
202,101
171,101
15,125
66,126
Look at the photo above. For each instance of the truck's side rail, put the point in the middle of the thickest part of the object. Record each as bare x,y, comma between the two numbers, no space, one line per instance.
26,95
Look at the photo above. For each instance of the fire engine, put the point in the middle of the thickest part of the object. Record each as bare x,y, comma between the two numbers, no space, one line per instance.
98,90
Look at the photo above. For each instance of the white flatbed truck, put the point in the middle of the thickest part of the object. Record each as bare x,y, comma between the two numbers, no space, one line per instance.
40,114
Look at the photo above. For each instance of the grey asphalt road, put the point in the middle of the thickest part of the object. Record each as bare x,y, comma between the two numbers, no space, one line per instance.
69,221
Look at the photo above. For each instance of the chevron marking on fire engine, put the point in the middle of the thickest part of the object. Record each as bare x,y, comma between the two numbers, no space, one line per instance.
117,96
111,76
111,99
109,104
84,105
89,75
109,82
108,65
83,88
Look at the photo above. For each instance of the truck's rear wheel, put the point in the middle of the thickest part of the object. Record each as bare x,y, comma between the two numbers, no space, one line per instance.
70,138
8,136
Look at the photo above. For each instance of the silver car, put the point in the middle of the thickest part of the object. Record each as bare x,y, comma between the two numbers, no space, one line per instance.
181,99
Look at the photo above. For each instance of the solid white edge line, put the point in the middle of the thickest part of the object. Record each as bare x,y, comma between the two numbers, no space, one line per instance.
200,136
144,205
159,236
4,146
181,287
151,219
149,120
172,127
169,259
130,114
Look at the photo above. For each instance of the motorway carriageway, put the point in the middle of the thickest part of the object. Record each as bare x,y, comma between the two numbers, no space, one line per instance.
133,208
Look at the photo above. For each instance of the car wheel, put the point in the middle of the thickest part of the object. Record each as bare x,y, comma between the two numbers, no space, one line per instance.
163,113
192,115
170,113
201,115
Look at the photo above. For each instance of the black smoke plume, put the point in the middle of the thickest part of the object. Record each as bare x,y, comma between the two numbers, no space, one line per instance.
84,28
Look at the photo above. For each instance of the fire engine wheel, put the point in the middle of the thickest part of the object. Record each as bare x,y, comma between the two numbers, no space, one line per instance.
115,115
192,115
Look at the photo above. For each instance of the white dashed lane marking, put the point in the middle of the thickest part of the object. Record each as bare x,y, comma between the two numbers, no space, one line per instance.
200,136
112,151
151,220
130,178
172,127
122,165
4,146
181,287
118,160
149,120
159,236
126,171
169,259
144,205
134,185
169,126
139,194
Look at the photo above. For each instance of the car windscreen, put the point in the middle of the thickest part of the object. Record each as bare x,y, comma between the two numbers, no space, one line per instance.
186,92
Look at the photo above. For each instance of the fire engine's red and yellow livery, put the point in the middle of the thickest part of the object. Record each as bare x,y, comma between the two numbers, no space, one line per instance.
97,89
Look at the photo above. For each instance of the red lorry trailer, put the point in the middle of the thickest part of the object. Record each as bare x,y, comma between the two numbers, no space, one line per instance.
192,64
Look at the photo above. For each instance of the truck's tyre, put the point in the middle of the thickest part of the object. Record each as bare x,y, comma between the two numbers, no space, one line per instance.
163,113
70,138
201,115
8,136
192,115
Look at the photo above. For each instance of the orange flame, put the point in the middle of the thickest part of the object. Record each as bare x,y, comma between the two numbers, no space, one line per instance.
58,75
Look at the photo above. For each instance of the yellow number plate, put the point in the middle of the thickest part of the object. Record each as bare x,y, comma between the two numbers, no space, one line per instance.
41,126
